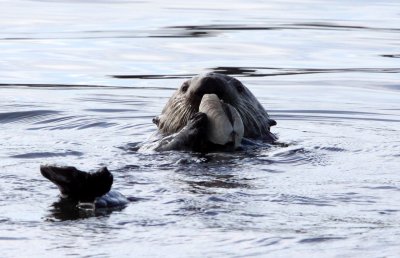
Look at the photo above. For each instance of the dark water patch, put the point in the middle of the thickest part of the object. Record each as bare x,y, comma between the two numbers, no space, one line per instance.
128,167
392,87
111,34
154,76
333,26
392,56
21,105
316,240
200,169
156,33
279,154
362,222
222,27
159,161
198,166
184,160
353,198
187,31
277,71
333,149
253,215
136,128
289,26
72,122
65,209
216,199
338,119
4,220
268,241
309,111
97,124
25,116
288,199
217,184
35,155
57,86
16,38
183,34
273,171
94,86
260,72
386,211
131,147
289,153
382,187
194,208
13,238
296,156
135,199
43,38
234,70
147,223
54,120
109,110
115,100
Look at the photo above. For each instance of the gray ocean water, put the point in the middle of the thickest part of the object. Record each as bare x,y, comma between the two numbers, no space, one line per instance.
81,80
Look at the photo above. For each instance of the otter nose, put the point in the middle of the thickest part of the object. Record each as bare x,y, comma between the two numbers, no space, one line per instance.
209,81
209,85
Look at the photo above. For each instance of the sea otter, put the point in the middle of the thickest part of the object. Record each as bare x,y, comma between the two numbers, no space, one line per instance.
181,117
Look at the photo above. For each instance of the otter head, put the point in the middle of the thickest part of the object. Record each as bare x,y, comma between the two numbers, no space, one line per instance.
186,100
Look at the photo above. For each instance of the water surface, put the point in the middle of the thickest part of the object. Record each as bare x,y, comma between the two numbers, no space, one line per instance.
81,80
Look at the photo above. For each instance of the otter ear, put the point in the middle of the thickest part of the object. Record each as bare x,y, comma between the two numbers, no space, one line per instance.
156,120
271,122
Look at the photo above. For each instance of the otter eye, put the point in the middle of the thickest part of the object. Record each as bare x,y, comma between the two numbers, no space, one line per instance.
239,87
185,87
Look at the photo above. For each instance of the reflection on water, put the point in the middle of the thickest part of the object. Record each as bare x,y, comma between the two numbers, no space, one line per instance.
80,82
263,72
67,210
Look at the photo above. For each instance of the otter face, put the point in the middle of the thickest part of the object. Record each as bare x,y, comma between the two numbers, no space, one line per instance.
185,102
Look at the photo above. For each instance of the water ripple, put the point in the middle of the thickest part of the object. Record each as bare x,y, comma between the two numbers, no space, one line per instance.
288,26
35,155
262,72
320,239
188,31
392,56
25,116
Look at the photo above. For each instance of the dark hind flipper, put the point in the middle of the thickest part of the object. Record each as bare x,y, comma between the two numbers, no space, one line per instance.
79,185
192,137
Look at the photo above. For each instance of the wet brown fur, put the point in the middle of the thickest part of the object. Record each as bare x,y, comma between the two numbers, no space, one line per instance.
184,103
